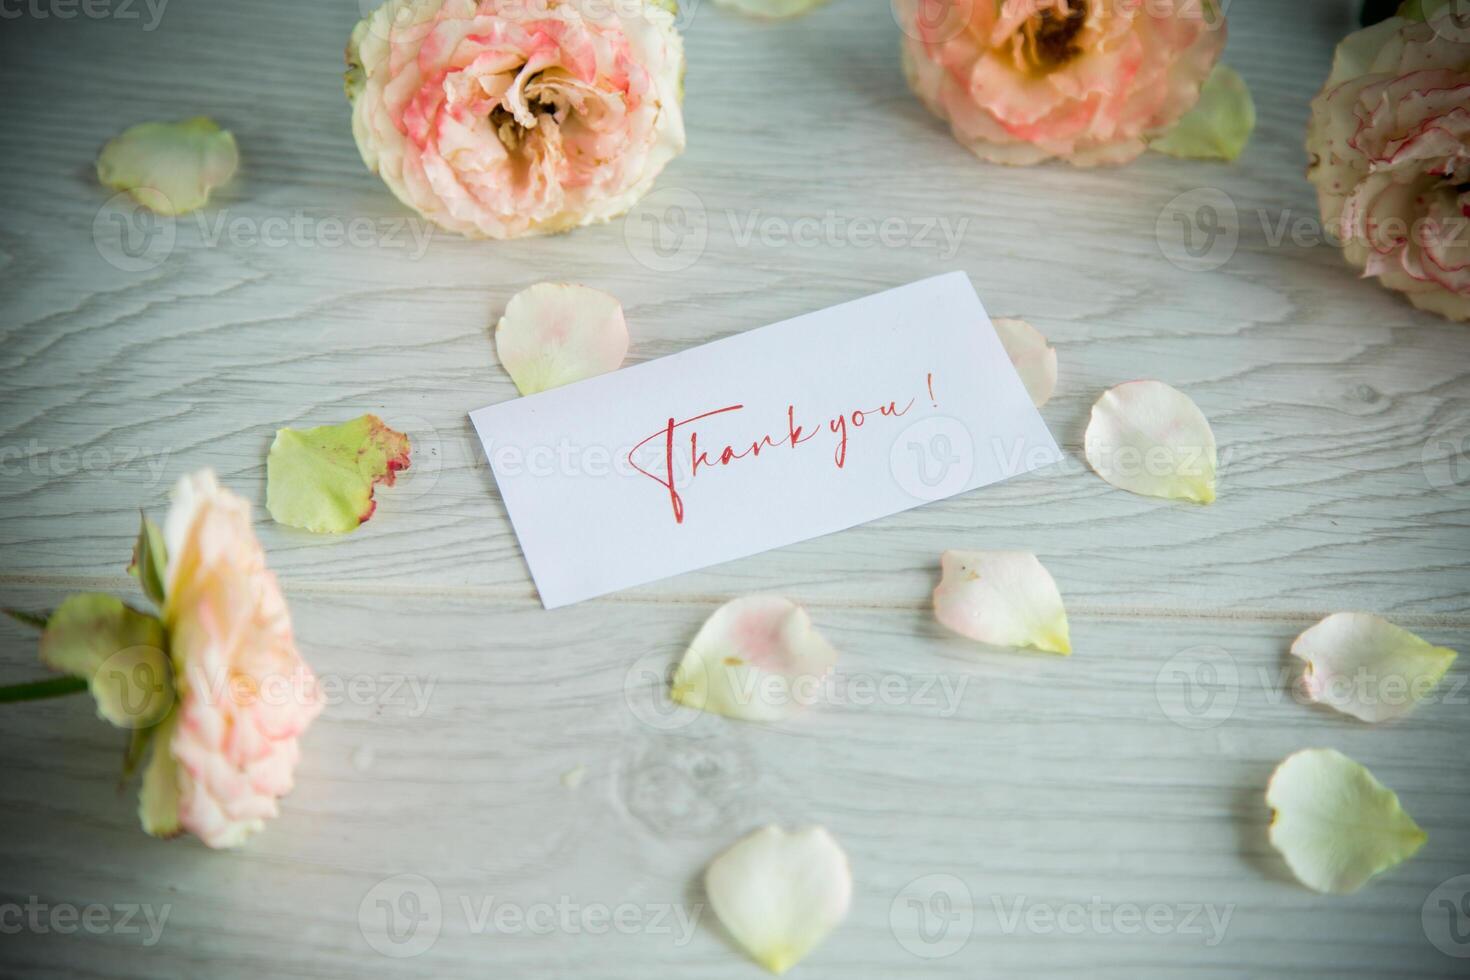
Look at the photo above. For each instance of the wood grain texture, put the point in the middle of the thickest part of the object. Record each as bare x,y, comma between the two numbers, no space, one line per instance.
1341,414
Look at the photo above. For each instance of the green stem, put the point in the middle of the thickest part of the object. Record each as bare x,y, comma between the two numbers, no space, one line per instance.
54,687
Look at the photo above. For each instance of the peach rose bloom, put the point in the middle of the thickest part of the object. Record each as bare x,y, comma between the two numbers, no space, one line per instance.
1086,81
1390,157
503,118
229,749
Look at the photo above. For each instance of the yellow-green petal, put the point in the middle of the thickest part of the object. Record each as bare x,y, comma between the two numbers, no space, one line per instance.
322,479
118,651
150,558
169,167
1335,824
1367,667
158,798
1220,124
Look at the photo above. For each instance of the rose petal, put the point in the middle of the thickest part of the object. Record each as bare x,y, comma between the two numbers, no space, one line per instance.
555,333
779,894
1148,438
158,798
118,651
1003,598
322,479
757,658
771,8
1035,362
1367,667
1220,124
1334,823
169,167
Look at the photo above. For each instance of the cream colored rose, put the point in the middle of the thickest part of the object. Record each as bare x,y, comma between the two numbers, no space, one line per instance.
229,749
1390,157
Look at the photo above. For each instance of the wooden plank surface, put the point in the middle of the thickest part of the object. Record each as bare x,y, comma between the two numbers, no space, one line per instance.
1080,786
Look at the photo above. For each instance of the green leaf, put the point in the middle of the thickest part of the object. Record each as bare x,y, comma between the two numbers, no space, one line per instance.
118,651
322,479
158,799
1422,9
38,620
1219,126
150,558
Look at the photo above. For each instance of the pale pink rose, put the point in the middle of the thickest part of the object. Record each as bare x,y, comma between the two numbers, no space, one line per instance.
1390,156
244,693
1088,81
501,118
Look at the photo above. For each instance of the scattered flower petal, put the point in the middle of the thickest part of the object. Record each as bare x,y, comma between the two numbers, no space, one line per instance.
322,479
573,778
757,658
1367,667
1220,124
169,167
118,651
1335,824
1148,438
771,9
1004,598
1035,361
779,894
555,333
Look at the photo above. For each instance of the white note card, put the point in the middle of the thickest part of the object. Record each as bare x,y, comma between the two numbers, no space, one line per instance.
780,434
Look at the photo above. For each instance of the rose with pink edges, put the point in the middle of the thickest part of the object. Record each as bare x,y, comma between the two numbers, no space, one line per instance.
502,118
1086,81
1390,157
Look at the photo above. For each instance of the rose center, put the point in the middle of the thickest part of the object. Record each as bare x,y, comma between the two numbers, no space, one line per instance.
1050,39
512,134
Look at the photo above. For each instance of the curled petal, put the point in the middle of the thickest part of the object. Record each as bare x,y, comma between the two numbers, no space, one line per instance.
1220,124
779,894
757,658
322,479
1367,667
1035,360
1004,598
555,333
1148,438
169,167
1335,824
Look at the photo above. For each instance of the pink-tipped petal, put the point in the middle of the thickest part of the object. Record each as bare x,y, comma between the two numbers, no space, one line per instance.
1035,360
1367,667
757,658
1003,598
555,333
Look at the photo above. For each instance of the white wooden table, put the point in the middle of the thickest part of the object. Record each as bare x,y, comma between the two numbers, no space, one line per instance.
1112,799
